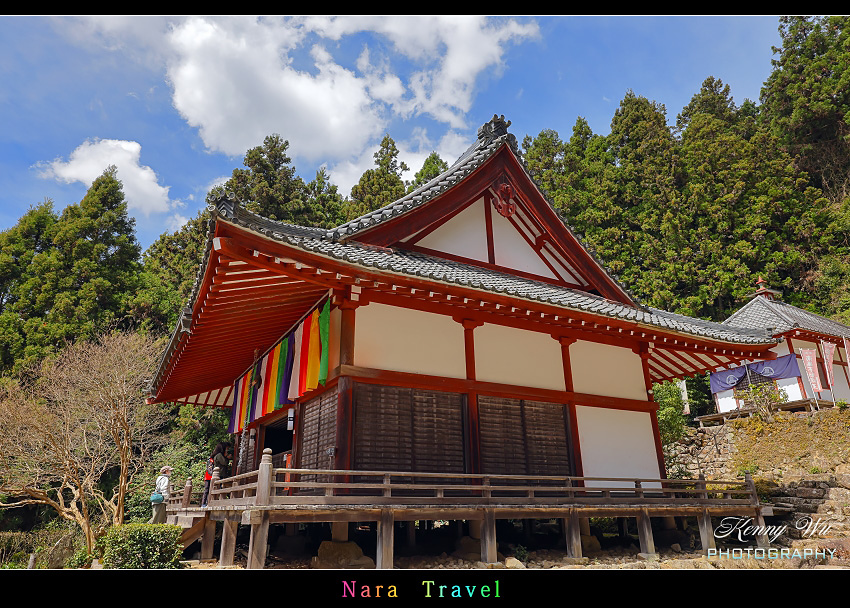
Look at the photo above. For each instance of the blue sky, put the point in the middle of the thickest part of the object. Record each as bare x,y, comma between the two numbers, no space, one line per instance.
174,102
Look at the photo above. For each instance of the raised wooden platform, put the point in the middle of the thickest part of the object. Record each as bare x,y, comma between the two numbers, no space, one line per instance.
800,405
269,495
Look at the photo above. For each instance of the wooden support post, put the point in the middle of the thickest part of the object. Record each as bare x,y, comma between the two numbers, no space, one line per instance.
647,544
411,534
572,534
258,544
584,526
706,532
762,541
489,555
339,531
475,529
216,476
260,530
187,493
384,550
208,540
623,529
228,543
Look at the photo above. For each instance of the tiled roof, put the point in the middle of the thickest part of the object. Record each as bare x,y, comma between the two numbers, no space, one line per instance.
779,317
429,267
491,136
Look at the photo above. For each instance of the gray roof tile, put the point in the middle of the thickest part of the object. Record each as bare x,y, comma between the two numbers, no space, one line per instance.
779,317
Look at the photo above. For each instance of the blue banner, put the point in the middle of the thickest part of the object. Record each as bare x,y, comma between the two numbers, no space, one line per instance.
781,367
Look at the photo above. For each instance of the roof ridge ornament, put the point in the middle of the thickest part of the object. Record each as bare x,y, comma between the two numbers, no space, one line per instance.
495,128
223,203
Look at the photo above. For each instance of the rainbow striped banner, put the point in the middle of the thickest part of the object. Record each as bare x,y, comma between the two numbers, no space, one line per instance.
298,363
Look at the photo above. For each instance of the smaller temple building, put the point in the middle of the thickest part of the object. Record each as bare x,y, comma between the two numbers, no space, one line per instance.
811,364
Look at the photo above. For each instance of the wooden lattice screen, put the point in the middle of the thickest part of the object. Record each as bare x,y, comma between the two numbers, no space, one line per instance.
521,437
406,429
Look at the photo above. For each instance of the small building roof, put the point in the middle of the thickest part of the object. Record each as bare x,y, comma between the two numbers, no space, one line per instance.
778,317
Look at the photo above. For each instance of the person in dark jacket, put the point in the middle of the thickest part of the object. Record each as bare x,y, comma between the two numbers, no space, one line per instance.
219,458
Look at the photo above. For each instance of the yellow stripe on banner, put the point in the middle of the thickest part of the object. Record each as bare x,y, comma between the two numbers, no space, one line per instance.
246,397
314,353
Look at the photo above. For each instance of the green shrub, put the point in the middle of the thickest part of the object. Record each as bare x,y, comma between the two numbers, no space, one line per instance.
143,546
80,559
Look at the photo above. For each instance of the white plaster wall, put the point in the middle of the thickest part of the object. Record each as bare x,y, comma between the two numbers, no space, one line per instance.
726,401
791,387
513,251
403,340
519,357
616,443
610,371
464,235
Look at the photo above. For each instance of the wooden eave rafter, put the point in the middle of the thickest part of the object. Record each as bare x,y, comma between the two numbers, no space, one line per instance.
811,336
229,324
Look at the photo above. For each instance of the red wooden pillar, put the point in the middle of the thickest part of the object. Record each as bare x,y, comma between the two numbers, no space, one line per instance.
474,437
644,353
345,388
800,382
565,343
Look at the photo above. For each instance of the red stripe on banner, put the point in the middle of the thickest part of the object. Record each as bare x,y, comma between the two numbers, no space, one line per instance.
305,357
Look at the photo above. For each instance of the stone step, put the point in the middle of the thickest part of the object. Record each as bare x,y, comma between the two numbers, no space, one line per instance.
803,505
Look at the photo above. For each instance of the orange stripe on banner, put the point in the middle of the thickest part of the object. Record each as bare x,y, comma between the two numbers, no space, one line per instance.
313,359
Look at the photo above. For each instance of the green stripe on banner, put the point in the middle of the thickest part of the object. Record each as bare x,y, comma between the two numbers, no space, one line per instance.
280,393
324,330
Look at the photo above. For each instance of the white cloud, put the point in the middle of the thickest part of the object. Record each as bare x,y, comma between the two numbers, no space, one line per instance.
239,79
237,86
412,152
89,160
175,222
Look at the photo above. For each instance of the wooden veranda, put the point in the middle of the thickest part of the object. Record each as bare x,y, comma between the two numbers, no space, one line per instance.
274,495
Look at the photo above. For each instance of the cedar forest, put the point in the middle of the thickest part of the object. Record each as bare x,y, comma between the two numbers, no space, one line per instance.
687,216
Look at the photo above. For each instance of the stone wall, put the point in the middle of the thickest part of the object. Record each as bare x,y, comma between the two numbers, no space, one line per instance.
704,451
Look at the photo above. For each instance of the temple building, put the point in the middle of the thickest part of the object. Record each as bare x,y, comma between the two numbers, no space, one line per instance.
800,334
462,329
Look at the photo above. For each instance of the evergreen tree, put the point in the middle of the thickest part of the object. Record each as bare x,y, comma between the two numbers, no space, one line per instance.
269,185
74,273
324,204
431,168
170,267
806,99
380,186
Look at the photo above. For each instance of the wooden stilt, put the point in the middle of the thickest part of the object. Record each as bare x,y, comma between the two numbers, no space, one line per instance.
647,544
339,531
411,534
762,541
258,544
572,534
706,532
623,529
584,526
489,554
208,540
384,552
228,543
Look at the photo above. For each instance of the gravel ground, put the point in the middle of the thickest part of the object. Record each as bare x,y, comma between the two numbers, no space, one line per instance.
557,560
